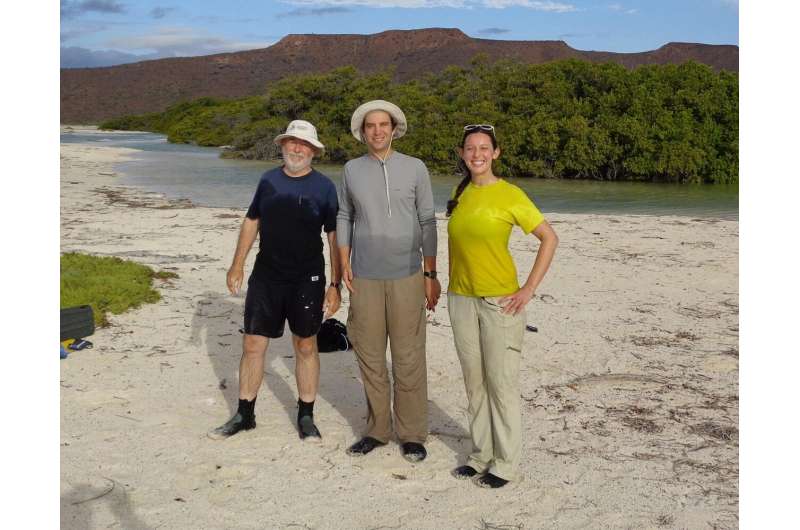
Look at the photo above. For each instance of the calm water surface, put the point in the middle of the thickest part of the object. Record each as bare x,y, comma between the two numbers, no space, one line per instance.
198,174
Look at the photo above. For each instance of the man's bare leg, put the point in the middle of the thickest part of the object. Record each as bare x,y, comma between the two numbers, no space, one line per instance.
251,374
306,372
251,366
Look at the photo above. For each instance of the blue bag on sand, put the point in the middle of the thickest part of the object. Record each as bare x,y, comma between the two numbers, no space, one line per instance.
80,344
64,352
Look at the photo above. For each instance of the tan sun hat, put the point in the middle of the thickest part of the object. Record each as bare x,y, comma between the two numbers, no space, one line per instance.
302,130
357,121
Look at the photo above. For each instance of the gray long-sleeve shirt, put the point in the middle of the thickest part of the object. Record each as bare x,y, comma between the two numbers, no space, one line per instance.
387,218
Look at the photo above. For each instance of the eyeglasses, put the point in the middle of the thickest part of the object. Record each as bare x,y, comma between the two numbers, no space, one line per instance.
479,127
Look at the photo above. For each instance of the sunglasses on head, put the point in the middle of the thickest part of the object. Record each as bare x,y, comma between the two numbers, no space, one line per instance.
479,127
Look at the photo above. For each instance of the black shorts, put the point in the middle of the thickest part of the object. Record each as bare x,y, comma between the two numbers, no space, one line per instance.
268,305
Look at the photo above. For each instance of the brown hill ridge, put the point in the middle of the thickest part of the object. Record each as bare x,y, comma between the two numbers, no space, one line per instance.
90,95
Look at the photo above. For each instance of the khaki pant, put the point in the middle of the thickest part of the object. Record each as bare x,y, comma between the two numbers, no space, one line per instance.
393,310
489,344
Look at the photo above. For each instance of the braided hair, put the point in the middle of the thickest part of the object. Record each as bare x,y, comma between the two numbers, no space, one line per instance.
462,169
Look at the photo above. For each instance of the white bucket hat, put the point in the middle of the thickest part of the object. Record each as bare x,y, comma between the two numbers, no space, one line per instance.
357,121
302,130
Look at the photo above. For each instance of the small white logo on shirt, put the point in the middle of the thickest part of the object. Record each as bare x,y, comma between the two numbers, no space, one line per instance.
315,278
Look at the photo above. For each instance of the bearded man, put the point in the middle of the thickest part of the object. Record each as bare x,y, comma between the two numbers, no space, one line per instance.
292,205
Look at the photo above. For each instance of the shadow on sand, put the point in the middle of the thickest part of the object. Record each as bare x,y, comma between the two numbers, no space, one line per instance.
79,504
217,321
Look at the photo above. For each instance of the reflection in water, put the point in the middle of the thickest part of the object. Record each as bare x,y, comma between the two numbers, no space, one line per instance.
197,173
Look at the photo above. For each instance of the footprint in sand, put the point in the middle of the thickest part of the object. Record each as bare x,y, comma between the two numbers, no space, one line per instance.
410,475
201,475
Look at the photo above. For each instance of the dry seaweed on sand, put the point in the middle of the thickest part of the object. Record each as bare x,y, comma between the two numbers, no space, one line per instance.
710,429
483,524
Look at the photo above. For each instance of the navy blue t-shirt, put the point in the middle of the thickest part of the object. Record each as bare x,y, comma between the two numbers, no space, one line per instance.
293,211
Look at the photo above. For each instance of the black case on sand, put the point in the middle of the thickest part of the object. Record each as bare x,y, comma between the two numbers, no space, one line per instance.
77,322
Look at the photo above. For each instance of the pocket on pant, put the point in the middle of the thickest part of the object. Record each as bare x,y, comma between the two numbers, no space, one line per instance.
358,312
513,325
515,332
493,302
352,320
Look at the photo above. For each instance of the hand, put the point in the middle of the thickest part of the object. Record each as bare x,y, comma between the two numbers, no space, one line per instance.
432,291
333,299
515,303
235,275
347,277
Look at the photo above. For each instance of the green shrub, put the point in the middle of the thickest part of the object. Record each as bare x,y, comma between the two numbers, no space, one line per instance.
107,284
565,119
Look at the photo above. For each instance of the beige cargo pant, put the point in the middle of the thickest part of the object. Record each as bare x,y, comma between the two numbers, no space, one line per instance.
489,344
393,310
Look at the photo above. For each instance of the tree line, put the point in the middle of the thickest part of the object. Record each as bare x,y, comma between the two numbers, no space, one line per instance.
567,119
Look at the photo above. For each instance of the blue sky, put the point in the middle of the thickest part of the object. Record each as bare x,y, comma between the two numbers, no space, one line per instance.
103,32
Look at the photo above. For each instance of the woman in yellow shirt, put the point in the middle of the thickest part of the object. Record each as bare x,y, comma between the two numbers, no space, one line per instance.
487,305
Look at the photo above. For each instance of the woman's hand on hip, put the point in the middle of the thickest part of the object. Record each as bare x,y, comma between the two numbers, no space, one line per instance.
514,304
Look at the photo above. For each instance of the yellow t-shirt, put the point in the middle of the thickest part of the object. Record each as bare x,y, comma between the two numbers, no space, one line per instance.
478,232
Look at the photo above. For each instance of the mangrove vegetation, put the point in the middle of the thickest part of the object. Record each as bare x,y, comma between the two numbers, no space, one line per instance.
567,119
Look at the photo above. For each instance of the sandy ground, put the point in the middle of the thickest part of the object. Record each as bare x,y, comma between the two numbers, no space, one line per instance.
630,387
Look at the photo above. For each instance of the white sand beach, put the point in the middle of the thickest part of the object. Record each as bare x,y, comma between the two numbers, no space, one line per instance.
630,387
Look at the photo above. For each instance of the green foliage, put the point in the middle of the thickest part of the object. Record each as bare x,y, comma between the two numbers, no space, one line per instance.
107,284
566,119
165,275
141,122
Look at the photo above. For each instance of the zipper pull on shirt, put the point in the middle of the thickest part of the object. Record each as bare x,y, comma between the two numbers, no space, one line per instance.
386,182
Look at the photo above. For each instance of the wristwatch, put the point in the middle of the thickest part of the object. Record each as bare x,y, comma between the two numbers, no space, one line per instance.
338,285
430,274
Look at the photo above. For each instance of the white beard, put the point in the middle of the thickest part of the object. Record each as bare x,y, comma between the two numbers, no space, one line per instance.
296,164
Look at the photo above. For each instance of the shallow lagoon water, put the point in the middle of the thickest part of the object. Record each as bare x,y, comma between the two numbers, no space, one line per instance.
200,175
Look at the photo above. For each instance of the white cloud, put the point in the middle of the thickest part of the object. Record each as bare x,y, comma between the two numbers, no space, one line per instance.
74,31
182,41
314,11
620,8
556,7
381,3
77,57
546,5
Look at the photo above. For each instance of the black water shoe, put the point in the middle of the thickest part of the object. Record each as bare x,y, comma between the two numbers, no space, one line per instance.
235,424
364,446
464,472
491,481
414,452
308,431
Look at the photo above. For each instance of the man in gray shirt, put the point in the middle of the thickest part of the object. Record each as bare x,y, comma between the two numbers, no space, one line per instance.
386,232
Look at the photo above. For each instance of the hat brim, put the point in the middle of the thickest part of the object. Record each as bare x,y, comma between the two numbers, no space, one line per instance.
318,147
393,110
